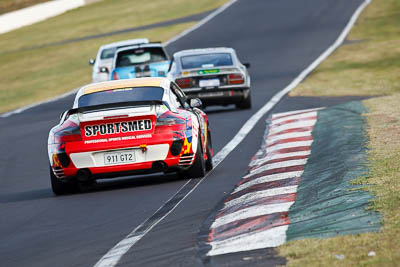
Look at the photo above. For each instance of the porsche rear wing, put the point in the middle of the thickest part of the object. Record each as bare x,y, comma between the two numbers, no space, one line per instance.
116,106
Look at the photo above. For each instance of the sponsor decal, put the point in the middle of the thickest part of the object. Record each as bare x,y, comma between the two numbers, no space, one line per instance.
117,127
122,138
186,146
56,161
212,71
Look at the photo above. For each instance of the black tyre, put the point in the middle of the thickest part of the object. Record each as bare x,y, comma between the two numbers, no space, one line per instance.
246,103
60,187
209,162
198,169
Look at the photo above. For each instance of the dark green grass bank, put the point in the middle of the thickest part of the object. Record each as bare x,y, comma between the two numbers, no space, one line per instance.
328,203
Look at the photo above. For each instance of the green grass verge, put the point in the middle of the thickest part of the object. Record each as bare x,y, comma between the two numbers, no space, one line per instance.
31,74
368,67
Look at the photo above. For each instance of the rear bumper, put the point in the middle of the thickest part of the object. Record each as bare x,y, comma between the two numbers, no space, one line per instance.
94,159
217,96
171,164
156,158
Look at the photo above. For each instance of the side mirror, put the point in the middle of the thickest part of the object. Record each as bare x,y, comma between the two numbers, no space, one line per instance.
196,103
247,65
92,61
104,70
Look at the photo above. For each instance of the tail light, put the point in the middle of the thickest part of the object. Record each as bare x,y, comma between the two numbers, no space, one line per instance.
65,137
167,122
69,132
184,82
235,79
115,76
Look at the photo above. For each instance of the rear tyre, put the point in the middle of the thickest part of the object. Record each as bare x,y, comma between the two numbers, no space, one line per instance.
209,162
198,169
60,187
246,103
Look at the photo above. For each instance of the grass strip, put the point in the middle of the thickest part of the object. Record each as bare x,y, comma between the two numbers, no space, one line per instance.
31,75
367,65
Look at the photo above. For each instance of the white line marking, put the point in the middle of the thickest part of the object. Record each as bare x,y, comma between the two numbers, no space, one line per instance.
276,165
268,178
260,194
293,125
272,156
273,139
303,116
33,14
252,211
249,125
250,241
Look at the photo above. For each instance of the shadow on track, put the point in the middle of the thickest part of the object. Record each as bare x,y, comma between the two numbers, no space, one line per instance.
132,181
101,185
221,109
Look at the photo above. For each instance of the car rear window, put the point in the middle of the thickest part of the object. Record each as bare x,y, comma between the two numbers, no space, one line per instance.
139,56
108,53
121,95
206,61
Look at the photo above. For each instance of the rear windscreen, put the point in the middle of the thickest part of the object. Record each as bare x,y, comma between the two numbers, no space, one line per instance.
108,53
139,56
206,61
121,95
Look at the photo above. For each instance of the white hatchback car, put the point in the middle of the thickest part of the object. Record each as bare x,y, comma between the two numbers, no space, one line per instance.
105,56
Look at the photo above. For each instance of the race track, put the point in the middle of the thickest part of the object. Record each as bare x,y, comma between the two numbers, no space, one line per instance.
278,38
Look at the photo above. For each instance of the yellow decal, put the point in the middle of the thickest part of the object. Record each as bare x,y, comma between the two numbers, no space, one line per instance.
56,161
186,146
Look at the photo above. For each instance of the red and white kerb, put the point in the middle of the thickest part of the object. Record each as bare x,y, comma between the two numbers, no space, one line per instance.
256,213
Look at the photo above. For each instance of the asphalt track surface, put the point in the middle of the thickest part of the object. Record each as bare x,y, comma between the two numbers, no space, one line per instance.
278,38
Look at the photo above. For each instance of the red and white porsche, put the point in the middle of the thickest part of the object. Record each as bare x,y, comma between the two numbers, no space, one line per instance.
127,127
